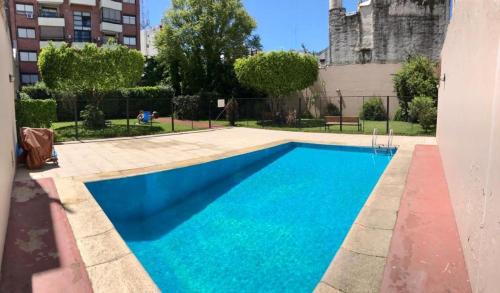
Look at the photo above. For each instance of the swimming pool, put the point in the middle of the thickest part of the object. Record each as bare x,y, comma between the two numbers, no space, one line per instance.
270,220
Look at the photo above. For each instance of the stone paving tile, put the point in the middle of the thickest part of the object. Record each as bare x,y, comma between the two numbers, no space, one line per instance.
355,272
325,288
387,189
104,278
377,218
382,202
97,249
368,241
86,221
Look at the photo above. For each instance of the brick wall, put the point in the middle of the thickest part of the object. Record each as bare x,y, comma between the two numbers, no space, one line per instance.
66,10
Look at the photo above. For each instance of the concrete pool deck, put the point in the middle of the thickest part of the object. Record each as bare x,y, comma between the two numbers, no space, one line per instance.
358,265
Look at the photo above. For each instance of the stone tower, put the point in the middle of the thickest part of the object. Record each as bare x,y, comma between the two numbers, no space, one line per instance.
335,4
387,31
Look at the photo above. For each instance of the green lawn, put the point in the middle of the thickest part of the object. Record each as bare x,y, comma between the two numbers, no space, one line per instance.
317,125
65,131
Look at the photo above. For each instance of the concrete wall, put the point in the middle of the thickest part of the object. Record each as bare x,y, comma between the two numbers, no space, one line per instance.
469,134
355,81
7,126
387,31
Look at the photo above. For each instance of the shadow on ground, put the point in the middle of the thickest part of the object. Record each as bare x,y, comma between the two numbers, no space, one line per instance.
40,251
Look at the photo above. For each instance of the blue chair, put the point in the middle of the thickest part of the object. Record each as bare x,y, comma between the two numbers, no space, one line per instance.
146,117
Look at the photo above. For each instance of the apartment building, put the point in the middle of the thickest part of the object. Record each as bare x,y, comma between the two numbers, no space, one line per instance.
148,35
34,23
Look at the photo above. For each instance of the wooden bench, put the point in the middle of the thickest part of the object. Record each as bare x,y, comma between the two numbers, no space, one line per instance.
346,120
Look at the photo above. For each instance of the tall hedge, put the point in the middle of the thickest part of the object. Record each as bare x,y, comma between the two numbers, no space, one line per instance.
35,113
113,104
186,107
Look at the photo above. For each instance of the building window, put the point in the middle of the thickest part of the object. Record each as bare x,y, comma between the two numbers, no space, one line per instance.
107,38
48,12
128,19
82,36
27,56
83,25
130,41
111,15
24,9
29,78
51,33
24,32
129,1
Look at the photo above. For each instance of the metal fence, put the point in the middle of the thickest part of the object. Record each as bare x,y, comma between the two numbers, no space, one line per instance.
123,117
343,113
331,114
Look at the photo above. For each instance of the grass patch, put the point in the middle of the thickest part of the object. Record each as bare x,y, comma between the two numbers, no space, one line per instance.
318,125
65,131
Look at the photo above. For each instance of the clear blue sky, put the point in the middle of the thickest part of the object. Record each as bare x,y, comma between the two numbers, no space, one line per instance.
282,24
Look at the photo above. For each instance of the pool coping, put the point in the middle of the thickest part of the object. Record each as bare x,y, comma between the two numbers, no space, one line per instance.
357,266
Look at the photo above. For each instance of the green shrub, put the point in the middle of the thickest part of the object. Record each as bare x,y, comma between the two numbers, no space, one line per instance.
38,91
428,118
332,109
186,107
416,78
154,98
423,110
35,113
399,115
374,110
93,117
418,105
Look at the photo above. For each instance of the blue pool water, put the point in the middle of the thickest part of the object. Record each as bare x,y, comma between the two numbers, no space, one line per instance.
267,221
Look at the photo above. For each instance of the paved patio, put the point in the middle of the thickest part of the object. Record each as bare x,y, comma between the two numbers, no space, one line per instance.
80,159
113,268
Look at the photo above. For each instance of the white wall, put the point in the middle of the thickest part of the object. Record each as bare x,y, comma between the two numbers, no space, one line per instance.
356,80
469,134
148,47
7,127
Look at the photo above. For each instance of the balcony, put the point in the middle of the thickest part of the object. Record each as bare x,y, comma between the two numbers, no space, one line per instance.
82,2
56,44
57,2
79,45
107,27
111,4
50,21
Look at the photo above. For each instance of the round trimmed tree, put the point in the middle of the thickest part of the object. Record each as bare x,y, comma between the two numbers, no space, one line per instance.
93,69
277,73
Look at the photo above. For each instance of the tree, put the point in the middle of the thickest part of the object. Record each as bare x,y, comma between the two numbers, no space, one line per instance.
93,69
154,73
199,42
253,44
277,73
417,77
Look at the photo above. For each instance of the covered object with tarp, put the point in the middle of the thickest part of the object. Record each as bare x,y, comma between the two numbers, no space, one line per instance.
39,146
